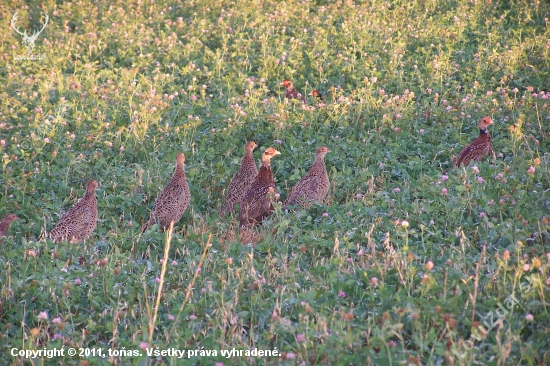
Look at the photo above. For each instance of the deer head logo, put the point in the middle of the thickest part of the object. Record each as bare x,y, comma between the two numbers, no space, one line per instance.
29,40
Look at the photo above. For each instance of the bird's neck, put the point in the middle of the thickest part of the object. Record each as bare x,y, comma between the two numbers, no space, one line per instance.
319,161
482,131
265,175
180,171
248,156
266,161
89,194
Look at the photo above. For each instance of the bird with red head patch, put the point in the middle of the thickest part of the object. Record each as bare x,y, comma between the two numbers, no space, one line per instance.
478,148
257,204
291,92
317,96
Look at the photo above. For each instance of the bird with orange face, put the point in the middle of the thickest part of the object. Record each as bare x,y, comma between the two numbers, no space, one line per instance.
478,148
257,203
291,92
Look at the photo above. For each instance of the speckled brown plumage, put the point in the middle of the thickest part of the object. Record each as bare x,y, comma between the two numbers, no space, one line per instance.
5,224
80,221
173,200
314,184
291,92
256,204
241,180
478,148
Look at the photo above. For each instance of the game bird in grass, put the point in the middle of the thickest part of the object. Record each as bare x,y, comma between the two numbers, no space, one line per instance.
5,224
291,92
241,180
478,148
80,221
257,201
173,200
318,97
313,186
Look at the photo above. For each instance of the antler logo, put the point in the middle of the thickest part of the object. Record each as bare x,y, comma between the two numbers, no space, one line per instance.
29,40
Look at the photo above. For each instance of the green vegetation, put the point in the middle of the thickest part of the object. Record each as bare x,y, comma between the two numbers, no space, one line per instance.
122,89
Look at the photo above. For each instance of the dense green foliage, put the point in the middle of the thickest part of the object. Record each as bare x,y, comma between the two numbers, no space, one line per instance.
400,265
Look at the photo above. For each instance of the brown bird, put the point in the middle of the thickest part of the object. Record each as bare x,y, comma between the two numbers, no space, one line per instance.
173,200
478,148
80,221
316,95
256,204
291,92
313,186
5,224
241,180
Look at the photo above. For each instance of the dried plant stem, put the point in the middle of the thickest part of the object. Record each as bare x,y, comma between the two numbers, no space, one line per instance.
152,321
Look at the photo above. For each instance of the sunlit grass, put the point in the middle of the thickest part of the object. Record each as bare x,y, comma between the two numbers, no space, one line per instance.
400,265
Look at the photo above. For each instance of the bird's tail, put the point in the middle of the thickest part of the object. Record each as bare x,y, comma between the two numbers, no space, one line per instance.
146,226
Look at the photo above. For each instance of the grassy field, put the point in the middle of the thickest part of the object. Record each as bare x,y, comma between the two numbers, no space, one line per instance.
401,265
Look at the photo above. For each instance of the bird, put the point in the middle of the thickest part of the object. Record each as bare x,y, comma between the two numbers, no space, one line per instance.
80,221
256,204
291,92
241,180
173,200
317,96
478,148
5,224
314,184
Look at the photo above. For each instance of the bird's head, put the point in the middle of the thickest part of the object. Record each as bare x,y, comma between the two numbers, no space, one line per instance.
269,153
91,186
180,159
322,151
484,123
11,218
287,84
250,146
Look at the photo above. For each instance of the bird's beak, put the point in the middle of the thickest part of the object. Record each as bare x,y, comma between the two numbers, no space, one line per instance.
277,152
